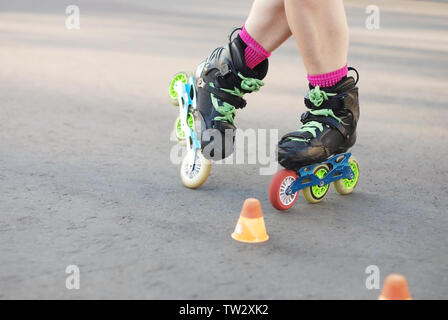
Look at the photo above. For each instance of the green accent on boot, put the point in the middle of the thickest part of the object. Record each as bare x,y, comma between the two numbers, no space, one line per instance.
236,92
228,111
250,84
317,96
326,113
299,139
311,127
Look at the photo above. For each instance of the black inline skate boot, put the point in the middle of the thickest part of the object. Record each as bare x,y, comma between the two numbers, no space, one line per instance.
221,81
329,127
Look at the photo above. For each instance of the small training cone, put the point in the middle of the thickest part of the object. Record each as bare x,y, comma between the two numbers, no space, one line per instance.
250,226
395,288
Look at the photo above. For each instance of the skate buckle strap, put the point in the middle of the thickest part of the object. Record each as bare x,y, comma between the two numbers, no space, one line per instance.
327,117
232,99
227,111
313,121
304,136
224,69
317,96
250,84
225,101
319,99
247,85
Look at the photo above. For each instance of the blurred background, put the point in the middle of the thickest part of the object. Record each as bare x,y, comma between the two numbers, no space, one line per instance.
85,176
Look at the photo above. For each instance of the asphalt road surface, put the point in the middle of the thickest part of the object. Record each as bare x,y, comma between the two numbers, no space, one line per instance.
86,176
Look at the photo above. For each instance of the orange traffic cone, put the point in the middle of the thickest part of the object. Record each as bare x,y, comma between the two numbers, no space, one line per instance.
395,288
250,226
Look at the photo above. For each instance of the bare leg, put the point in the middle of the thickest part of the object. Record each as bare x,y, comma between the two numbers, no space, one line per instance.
329,127
321,32
267,23
233,70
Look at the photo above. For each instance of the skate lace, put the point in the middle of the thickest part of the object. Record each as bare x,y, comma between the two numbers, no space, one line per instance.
317,97
250,84
228,111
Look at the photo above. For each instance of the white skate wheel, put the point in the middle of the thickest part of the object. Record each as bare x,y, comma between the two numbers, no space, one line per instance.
193,175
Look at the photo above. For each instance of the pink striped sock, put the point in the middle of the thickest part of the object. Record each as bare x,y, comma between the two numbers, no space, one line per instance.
254,53
328,79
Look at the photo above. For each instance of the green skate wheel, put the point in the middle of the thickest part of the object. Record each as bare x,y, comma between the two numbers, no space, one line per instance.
346,186
316,194
180,135
172,93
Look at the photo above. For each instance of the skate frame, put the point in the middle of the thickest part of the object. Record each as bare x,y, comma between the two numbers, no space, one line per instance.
186,93
340,169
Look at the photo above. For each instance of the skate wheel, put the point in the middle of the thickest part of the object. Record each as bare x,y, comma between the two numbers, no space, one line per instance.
346,186
193,175
316,194
180,135
172,93
277,190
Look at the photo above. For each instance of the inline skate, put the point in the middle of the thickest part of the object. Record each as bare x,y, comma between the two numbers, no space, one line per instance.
316,155
207,104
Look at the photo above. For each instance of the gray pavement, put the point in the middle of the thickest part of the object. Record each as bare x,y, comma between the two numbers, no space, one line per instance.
86,177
